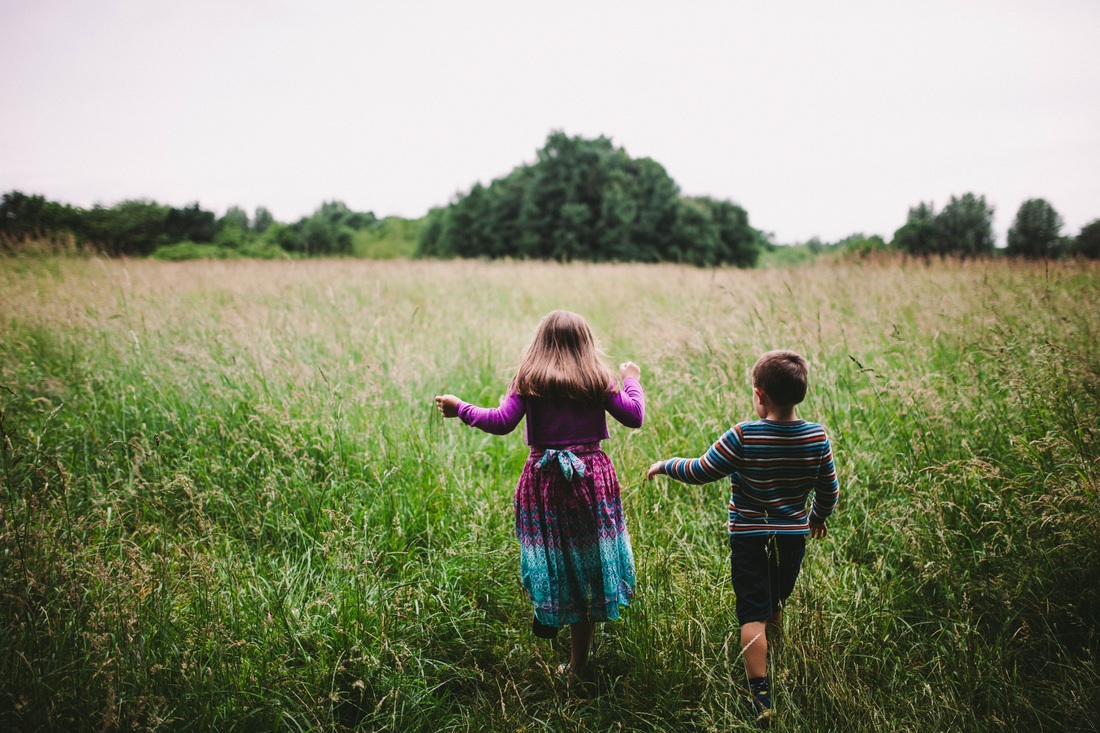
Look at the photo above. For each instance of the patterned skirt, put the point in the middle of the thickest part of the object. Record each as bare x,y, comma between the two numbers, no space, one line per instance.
575,557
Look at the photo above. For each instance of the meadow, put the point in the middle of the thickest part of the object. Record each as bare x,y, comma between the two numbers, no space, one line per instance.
228,503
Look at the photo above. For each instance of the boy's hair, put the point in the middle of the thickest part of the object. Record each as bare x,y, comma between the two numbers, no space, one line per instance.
781,375
563,361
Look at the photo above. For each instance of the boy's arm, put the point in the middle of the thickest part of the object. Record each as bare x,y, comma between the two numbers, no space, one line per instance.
827,489
720,461
496,420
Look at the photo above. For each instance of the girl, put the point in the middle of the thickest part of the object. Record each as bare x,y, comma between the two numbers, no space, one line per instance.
575,557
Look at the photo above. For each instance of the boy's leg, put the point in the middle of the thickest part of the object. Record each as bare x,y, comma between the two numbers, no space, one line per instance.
749,570
754,648
775,632
785,554
787,564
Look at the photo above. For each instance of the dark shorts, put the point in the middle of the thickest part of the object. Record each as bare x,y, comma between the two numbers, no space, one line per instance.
763,569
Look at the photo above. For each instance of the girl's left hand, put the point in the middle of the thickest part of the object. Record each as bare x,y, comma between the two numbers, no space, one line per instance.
447,404
629,369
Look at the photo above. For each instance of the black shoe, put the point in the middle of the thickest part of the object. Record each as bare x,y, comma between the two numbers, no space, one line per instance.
543,631
760,705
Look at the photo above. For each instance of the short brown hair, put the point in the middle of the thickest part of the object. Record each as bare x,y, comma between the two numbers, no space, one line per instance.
781,375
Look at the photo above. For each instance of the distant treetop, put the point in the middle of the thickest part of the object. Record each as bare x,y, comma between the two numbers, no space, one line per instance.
588,200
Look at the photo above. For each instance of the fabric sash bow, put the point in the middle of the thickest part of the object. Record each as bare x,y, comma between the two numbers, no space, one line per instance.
567,462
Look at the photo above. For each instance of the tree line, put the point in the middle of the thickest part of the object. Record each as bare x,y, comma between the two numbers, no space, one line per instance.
964,227
581,199
140,227
587,199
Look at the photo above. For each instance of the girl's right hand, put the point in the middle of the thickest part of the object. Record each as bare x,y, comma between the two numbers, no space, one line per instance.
629,369
447,404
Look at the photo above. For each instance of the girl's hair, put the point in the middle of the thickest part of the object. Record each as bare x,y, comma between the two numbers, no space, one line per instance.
563,361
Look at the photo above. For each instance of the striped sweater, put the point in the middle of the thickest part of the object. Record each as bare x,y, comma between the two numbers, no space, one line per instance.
773,467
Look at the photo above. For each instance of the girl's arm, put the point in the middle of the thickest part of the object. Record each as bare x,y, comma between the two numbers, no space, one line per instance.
496,420
628,404
720,461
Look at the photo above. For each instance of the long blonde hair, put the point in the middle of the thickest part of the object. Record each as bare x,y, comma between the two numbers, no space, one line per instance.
563,361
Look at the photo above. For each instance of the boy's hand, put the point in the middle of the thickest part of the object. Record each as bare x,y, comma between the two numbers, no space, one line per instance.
447,404
654,470
629,369
818,531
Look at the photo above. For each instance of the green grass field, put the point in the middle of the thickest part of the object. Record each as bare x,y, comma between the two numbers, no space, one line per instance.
228,503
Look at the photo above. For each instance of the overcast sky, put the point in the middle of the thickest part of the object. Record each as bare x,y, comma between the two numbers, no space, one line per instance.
819,118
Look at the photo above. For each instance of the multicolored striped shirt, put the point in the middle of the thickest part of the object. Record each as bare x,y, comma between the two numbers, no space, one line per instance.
773,467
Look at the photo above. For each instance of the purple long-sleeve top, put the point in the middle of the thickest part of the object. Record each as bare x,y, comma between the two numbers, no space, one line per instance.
559,423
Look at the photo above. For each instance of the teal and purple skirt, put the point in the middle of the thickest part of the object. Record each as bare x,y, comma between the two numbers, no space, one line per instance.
575,557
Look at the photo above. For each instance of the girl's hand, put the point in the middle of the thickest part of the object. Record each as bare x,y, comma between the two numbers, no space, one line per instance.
654,470
447,405
818,531
629,369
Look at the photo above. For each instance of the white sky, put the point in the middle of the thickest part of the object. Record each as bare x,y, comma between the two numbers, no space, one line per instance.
820,118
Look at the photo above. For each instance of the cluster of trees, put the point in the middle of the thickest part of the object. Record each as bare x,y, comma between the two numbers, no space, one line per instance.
588,200
131,227
580,200
329,230
139,227
964,227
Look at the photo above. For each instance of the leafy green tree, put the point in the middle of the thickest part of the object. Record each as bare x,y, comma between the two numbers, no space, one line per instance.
323,237
1036,233
918,235
233,229
587,199
338,214
23,216
428,243
287,236
469,231
1087,243
615,234
231,236
235,216
965,227
562,175
657,200
262,220
131,227
505,201
328,230
695,238
861,245
571,238
738,243
190,224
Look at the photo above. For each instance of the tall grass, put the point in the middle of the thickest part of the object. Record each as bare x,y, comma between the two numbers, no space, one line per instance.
227,502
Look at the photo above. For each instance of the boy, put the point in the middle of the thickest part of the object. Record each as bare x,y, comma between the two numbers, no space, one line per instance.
773,464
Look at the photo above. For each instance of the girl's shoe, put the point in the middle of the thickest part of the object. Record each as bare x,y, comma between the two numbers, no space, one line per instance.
543,631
